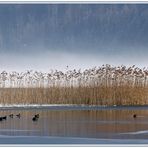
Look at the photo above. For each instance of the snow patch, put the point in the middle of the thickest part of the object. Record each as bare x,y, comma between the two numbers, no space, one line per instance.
136,133
17,130
34,105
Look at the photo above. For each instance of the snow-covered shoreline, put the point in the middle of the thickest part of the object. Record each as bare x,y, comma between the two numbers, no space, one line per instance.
69,106
49,107
34,105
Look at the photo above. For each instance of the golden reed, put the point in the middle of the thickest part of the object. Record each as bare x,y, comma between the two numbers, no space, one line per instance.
105,85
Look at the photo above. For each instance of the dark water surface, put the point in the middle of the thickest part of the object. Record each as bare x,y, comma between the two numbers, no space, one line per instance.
113,123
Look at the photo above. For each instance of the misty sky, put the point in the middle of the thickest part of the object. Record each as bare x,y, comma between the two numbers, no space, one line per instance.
52,36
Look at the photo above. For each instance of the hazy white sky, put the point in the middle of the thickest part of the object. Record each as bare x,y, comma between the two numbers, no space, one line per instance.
56,60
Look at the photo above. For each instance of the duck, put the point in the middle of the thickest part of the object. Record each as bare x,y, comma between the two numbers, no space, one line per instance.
11,115
36,116
5,117
134,116
34,119
18,115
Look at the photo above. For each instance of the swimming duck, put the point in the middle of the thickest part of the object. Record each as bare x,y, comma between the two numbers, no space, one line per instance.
11,115
34,119
5,117
18,115
36,116
134,116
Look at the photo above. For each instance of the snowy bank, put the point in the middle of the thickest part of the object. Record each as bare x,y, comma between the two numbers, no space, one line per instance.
69,107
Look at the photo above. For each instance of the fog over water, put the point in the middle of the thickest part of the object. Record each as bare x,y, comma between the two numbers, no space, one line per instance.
52,36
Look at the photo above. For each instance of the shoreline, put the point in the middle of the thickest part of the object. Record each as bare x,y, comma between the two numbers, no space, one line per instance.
69,107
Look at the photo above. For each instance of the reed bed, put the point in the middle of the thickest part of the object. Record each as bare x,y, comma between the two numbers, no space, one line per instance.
105,85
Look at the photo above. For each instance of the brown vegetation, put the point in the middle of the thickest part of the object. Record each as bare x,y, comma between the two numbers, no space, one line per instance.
105,85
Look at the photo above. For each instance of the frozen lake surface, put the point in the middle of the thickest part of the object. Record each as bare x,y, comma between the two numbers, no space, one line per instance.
59,124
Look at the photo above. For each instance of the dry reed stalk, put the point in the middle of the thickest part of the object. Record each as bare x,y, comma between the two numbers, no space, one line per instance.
106,85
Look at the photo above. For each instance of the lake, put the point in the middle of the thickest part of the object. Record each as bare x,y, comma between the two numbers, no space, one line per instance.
84,123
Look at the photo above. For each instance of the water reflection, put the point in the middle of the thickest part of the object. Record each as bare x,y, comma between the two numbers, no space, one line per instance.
76,123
